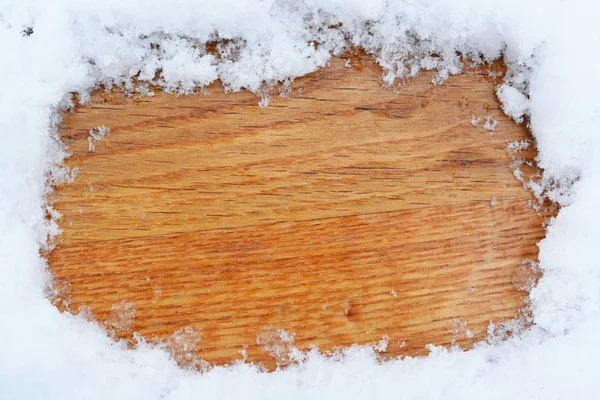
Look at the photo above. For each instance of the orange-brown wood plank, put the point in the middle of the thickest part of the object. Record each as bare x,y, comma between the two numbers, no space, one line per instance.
341,213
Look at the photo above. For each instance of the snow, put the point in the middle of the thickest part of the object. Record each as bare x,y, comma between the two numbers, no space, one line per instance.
514,103
122,315
490,124
97,134
519,145
53,48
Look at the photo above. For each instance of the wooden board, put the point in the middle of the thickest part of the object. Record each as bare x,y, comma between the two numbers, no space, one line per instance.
342,213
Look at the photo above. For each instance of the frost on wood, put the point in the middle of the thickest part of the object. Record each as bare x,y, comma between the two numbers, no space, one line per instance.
382,346
97,134
458,327
184,346
518,145
279,344
122,315
490,124
526,275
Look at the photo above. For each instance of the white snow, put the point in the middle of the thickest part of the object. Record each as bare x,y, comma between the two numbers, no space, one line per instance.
518,145
514,103
490,124
50,49
97,134
122,315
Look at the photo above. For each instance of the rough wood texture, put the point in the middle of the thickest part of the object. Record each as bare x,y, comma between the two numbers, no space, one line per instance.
341,213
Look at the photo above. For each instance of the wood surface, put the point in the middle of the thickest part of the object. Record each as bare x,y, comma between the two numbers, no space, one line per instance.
342,213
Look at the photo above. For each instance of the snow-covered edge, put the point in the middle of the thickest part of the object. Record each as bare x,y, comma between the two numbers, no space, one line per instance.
72,47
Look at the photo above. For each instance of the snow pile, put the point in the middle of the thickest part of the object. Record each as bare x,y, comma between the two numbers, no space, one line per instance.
52,48
514,102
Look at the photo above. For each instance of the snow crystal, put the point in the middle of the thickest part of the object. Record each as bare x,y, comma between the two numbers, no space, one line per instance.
526,275
95,135
285,89
490,124
518,174
459,326
184,345
280,345
122,315
382,346
264,100
518,145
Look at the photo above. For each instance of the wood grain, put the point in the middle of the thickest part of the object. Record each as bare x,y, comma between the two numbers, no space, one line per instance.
341,213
